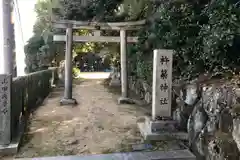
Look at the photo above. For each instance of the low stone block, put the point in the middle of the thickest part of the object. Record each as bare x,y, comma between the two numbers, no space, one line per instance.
148,134
12,148
161,125
155,136
65,102
123,100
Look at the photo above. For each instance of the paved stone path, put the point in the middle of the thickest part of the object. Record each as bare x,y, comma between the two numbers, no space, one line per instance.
156,155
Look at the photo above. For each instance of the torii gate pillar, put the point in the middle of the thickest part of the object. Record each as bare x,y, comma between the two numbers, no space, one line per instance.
124,72
67,99
123,51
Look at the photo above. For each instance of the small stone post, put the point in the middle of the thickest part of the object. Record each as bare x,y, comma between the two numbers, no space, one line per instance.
162,84
67,99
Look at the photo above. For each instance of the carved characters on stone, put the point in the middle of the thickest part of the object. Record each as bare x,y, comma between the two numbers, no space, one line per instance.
5,81
163,101
164,74
4,95
164,87
162,84
164,59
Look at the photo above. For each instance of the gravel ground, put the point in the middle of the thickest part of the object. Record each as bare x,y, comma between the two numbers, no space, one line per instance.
96,125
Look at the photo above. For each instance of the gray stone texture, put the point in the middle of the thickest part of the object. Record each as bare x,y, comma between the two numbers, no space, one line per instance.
156,155
167,132
66,102
209,112
162,83
5,109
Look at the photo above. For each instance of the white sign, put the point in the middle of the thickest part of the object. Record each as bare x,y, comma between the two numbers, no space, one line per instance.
162,83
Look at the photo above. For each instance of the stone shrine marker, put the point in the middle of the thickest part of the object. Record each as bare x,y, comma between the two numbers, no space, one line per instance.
5,112
161,126
162,83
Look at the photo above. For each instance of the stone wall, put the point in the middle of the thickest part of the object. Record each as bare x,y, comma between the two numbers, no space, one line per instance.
209,112
27,93
141,88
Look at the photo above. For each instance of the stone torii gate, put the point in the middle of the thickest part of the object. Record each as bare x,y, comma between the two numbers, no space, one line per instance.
97,27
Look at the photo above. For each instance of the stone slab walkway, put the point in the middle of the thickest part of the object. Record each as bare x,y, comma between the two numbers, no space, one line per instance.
157,155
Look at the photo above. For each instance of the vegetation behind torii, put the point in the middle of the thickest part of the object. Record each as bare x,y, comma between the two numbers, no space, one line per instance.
204,34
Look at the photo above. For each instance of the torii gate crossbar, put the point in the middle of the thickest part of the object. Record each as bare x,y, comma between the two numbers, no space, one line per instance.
97,27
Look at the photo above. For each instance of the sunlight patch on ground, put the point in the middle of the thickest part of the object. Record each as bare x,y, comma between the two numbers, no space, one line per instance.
94,75
39,130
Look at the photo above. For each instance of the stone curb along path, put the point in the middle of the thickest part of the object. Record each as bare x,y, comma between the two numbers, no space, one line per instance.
156,155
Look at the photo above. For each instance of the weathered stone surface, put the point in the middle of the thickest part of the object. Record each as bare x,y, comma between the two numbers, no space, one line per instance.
65,102
156,155
222,147
115,79
204,110
148,97
160,130
123,100
212,115
61,73
236,132
162,83
5,109
187,98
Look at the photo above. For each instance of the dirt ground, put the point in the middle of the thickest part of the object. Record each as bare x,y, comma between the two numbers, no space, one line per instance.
96,125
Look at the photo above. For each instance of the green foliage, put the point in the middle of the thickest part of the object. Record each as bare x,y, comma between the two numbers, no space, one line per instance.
205,37
97,10
76,71
100,10
137,9
40,50
36,43
85,47
204,34
221,35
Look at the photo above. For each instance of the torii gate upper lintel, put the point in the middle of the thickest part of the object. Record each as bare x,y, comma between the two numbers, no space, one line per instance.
69,25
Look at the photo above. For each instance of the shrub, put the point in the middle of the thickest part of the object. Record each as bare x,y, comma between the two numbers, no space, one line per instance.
204,36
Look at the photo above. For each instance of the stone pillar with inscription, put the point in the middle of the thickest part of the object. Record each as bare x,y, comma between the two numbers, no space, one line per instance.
5,109
6,69
160,125
162,84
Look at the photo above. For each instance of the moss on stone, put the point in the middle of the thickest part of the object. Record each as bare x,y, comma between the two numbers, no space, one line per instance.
226,146
236,109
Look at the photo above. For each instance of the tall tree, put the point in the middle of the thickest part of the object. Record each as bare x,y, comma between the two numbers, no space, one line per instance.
40,49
